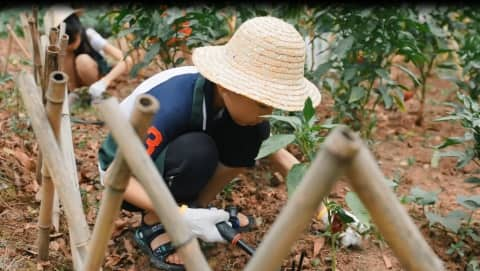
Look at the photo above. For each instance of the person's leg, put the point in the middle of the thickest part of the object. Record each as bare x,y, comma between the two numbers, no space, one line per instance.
87,70
190,162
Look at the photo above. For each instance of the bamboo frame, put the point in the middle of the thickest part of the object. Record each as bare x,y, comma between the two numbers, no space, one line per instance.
55,96
144,170
57,167
329,164
389,215
344,152
116,181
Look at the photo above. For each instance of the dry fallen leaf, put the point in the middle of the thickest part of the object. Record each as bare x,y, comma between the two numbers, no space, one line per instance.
317,246
24,159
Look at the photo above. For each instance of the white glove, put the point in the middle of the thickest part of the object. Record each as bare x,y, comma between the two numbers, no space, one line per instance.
202,222
97,88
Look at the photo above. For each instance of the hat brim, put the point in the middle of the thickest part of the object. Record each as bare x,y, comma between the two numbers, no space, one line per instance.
288,95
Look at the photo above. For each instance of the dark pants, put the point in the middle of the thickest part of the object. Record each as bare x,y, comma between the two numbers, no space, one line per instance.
189,163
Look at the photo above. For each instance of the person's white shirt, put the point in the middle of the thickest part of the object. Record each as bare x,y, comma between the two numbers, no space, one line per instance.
96,40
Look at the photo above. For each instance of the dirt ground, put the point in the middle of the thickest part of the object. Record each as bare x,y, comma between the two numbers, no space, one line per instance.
401,148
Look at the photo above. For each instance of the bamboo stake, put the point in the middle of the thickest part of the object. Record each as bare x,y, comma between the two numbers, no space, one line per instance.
143,168
55,97
389,215
9,51
62,179
339,148
17,41
63,52
116,181
26,32
53,36
51,64
37,64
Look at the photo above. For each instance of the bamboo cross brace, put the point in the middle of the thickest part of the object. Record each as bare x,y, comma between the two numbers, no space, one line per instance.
53,157
144,170
116,181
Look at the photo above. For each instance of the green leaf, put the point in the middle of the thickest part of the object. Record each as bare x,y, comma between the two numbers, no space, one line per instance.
452,222
399,103
294,177
356,94
450,141
294,121
470,202
474,180
409,73
423,197
322,69
358,209
343,46
308,110
437,31
273,144
383,74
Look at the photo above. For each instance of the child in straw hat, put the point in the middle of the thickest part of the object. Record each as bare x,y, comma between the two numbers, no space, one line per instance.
85,62
209,127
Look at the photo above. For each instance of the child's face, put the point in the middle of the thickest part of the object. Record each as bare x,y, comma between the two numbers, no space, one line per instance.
244,111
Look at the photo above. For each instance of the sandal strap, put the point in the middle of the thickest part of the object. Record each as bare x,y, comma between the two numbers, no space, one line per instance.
150,232
164,250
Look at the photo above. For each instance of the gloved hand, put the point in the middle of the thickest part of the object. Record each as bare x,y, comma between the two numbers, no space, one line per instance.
96,89
203,222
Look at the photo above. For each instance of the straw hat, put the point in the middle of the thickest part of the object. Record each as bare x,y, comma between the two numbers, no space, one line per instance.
264,61
56,14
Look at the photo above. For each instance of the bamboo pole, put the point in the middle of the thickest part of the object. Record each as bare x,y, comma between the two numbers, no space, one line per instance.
51,64
37,64
26,31
389,215
62,179
144,170
53,36
9,51
116,181
55,97
338,150
17,41
63,52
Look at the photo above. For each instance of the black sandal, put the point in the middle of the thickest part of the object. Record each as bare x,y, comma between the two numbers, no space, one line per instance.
233,212
144,235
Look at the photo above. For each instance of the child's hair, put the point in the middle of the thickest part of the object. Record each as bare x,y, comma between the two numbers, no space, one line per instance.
73,27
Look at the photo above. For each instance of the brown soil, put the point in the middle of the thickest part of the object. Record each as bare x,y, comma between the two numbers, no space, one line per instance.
396,140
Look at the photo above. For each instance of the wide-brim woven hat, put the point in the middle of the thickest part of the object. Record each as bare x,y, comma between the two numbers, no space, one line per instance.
264,61
56,14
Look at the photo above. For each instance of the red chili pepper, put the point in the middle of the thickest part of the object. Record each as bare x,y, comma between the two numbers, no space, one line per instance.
407,95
